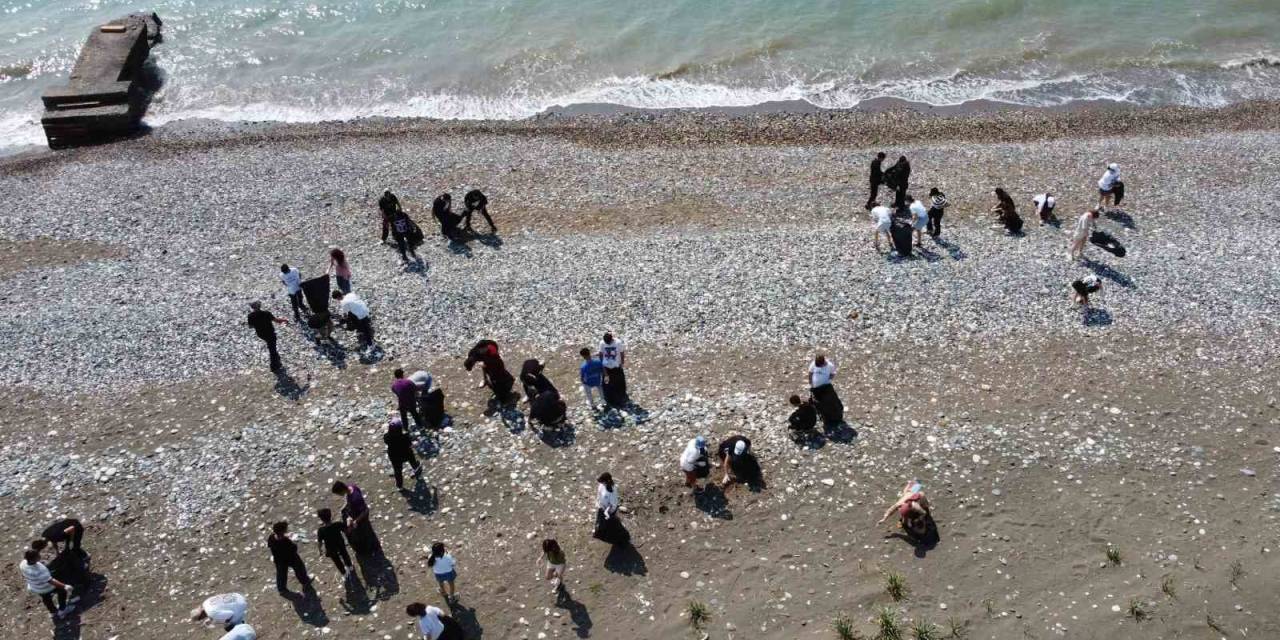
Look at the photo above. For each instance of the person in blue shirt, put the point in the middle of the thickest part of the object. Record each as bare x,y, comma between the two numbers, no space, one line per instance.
592,373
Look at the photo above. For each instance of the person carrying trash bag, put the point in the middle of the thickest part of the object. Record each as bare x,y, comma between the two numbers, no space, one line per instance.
608,526
821,374
496,376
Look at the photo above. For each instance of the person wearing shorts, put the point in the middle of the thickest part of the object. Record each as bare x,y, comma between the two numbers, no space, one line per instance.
919,219
445,569
881,221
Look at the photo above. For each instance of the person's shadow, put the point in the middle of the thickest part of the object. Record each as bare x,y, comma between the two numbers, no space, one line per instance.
560,436
423,498
491,240
922,546
70,628
1103,270
308,607
953,249
639,414
578,613
355,600
625,559
466,618
840,432
418,267
1095,317
1121,217
1107,242
712,501
379,574
460,248
610,418
288,387
334,352
372,355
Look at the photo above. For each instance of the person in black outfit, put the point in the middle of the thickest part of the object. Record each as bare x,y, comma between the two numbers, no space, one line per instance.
332,543
534,381
442,209
805,417
475,201
263,323
897,178
496,376
400,451
388,205
736,460
285,554
877,178
937,207
68,530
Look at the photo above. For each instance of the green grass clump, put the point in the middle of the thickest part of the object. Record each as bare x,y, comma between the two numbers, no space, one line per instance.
896,586
699,615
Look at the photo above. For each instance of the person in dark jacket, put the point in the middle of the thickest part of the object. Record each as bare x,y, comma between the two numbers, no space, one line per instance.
68,530
388,206
442,209
355,514
737,463
897,178
804,418
400,451
263,323
402,229
473,202
285,554
333,543
1006,212
534,380
877,178
496,376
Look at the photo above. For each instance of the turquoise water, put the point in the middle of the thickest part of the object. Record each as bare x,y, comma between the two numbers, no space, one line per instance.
300,61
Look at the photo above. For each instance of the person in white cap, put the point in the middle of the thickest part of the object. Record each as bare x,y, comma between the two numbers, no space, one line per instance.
694,462
1107,185
228,610
732,452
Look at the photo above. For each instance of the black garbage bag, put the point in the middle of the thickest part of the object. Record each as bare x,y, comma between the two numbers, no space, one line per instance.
431,406
829,405
548,408
71,567
900,231
317,292
610,529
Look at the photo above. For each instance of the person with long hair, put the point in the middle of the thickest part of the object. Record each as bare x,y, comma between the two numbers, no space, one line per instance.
445,570
339,268
554,559
912,509
1006,212
433,624
608,526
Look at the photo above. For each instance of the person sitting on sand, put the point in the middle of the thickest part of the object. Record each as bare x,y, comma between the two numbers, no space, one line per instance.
476,202
919,218
1085,286
912,509
1107,186
881,222
804,418
694,463
1006,212
433,624
736,460
1044,204
228,610
1080,234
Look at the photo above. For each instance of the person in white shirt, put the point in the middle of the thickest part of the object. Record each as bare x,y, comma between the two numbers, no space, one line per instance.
292,279
694,462
357,313
1080,234
445,569
608,526
821,371
1045,203
228,610
919,218
613,355
1107,185
881,221
432,622
41,583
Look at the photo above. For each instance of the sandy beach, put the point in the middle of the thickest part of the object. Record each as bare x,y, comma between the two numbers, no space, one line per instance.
725,248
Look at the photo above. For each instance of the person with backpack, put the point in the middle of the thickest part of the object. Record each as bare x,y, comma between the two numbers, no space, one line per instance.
695,463
475,201
445,570
284,553
1107,184
292,280
42,583
263,323
876,177
400,451
1044,204
333,544
1006,212
937,207
1080,234
591,373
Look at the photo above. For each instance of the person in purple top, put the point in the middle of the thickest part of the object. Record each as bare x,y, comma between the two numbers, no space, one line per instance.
355,513
592,373
406,399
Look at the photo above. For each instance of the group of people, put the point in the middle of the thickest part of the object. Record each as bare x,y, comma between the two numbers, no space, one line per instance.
920,218
455,227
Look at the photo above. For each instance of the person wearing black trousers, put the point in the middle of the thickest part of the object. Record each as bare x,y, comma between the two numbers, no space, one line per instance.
285,554
877,178
331,541
937,207
898,177
389,206
476,201
263,323
400,451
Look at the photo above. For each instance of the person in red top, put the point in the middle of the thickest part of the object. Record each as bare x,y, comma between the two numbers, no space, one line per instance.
406,393
912,509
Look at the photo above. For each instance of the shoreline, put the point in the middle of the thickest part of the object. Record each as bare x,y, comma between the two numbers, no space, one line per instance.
876,121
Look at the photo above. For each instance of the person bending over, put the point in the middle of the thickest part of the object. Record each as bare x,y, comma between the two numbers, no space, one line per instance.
476,202
912,509
804,418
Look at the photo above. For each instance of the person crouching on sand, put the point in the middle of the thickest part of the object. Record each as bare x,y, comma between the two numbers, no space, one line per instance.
912,509
694,463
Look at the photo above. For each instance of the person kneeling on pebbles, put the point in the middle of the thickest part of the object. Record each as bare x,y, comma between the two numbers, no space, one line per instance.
912,509
737,463
694,463
881,222
228,610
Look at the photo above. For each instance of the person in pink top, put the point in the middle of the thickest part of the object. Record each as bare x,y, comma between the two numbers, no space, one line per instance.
340,269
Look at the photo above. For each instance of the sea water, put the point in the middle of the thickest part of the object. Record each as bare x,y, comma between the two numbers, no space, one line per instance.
496,59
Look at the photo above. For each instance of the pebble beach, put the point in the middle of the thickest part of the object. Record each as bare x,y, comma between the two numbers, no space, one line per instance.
726,249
